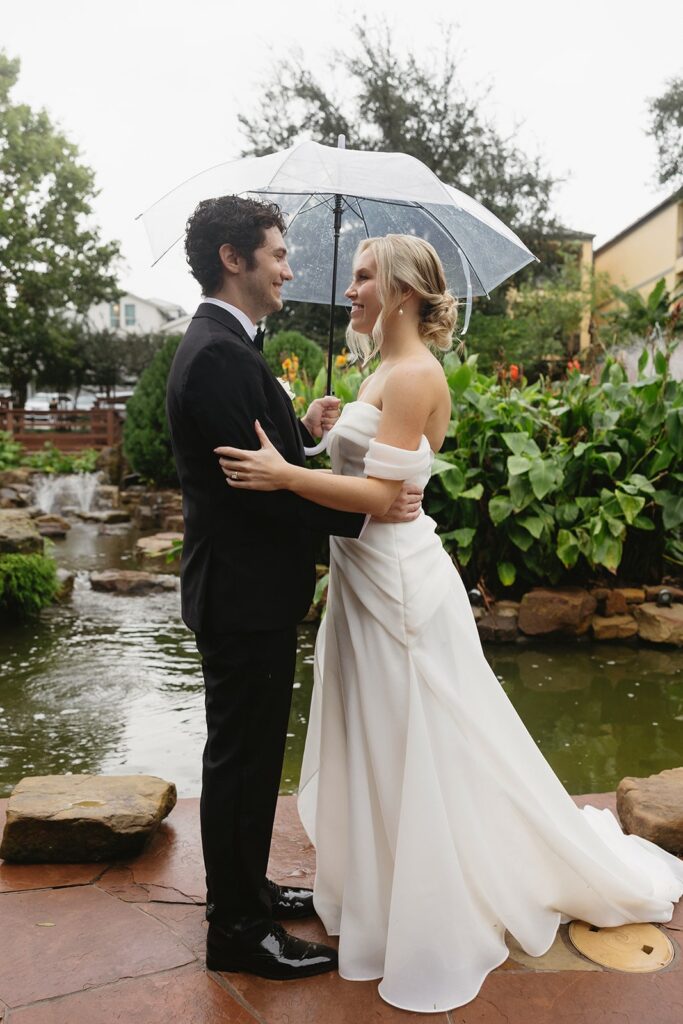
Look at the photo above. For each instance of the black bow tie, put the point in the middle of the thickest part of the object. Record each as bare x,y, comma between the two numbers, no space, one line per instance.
258,339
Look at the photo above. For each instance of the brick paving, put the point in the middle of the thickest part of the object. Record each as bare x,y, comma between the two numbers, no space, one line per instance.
124,942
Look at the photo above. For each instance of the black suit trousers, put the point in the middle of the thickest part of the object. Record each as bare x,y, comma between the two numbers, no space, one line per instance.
248,680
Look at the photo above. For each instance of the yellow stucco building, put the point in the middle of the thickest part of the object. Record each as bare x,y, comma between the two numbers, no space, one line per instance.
647,250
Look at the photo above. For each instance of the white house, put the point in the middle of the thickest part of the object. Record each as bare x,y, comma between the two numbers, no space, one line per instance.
133,315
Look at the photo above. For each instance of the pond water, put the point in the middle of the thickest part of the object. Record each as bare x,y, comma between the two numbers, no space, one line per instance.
113,684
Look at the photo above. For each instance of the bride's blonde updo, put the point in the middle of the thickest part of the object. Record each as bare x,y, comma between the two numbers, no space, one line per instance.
405,261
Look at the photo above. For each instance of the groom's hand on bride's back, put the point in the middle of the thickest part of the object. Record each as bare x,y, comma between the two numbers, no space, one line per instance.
407,506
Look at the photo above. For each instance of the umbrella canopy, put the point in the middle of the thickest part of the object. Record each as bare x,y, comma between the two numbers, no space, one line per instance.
381,193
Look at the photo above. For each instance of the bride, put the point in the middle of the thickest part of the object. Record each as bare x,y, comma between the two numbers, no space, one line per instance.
437,822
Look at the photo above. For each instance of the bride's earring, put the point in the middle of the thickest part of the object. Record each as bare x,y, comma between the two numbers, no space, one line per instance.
400,310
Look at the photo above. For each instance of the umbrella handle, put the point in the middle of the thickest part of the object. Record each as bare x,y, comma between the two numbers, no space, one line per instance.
320,447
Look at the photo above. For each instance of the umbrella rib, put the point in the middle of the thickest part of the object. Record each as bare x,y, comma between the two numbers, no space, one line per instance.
457,244
362,217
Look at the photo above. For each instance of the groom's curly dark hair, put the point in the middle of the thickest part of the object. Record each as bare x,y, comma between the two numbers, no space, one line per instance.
227,220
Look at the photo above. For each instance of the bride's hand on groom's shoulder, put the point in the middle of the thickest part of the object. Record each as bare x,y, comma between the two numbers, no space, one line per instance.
321,416
260,470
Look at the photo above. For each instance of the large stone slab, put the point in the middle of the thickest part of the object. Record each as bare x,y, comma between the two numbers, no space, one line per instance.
614,627
78,818
567,611
18,533
499,625
131,581
653,808
187,995
58,941
154,551
52,525
660,625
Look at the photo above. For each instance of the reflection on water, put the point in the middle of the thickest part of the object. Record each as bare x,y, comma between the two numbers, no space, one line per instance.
113,684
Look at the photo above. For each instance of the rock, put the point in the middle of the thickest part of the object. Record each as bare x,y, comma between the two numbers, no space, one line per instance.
52,525
10,498
153,551
660,625
567,611
22,475
614,627
173,523
64,819
18,533
653,808
633,595
651,593
66,584
130,581
145,518
110,462
108,515
108,494
498,626
615,603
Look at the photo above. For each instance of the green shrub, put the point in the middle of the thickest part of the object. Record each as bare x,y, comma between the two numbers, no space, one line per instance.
10,451
282,345
563,482
27,584
146,437
51,460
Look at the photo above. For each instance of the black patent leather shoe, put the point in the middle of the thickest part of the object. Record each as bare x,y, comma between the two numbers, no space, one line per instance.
290,901
268,951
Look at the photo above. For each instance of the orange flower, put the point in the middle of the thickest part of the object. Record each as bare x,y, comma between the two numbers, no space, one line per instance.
514,372
340,362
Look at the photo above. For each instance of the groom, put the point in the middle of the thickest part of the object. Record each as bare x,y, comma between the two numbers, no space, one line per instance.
247,576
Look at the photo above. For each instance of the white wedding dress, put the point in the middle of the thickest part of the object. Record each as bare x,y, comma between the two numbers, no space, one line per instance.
437,822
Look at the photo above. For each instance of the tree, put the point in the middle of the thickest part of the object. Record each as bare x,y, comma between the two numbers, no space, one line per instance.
403,104
52,261
146,437
666,128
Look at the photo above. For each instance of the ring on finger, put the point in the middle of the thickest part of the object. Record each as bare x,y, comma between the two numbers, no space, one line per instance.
235,476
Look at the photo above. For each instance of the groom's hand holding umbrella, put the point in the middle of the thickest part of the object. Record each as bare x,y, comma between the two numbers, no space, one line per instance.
321,416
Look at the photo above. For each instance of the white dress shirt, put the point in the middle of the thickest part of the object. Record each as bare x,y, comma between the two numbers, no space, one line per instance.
238,314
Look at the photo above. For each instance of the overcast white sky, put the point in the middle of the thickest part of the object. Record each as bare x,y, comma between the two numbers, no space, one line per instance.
150,90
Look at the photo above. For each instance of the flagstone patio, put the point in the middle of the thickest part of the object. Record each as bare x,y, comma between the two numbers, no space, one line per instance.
99,943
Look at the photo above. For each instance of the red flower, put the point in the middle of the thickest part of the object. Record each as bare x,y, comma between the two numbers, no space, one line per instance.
514,372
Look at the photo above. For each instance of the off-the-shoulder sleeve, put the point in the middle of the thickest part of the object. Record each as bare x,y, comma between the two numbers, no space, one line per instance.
389,463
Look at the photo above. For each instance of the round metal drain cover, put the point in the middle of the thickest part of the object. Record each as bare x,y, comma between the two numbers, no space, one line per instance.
631,947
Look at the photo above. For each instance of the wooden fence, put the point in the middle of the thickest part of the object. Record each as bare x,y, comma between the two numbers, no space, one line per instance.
69,430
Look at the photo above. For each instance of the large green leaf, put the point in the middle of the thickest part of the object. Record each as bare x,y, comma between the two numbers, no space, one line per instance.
674,429
630,505
519,537
500,508
567,548
440,466
518,464
460,380
672,509
507,574
534,524
545,477
474,493
453,481
521,444
607,550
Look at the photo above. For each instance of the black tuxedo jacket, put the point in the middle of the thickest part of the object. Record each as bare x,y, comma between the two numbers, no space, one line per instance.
248,560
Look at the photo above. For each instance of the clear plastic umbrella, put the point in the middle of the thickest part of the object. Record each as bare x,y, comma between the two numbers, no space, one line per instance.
332,198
